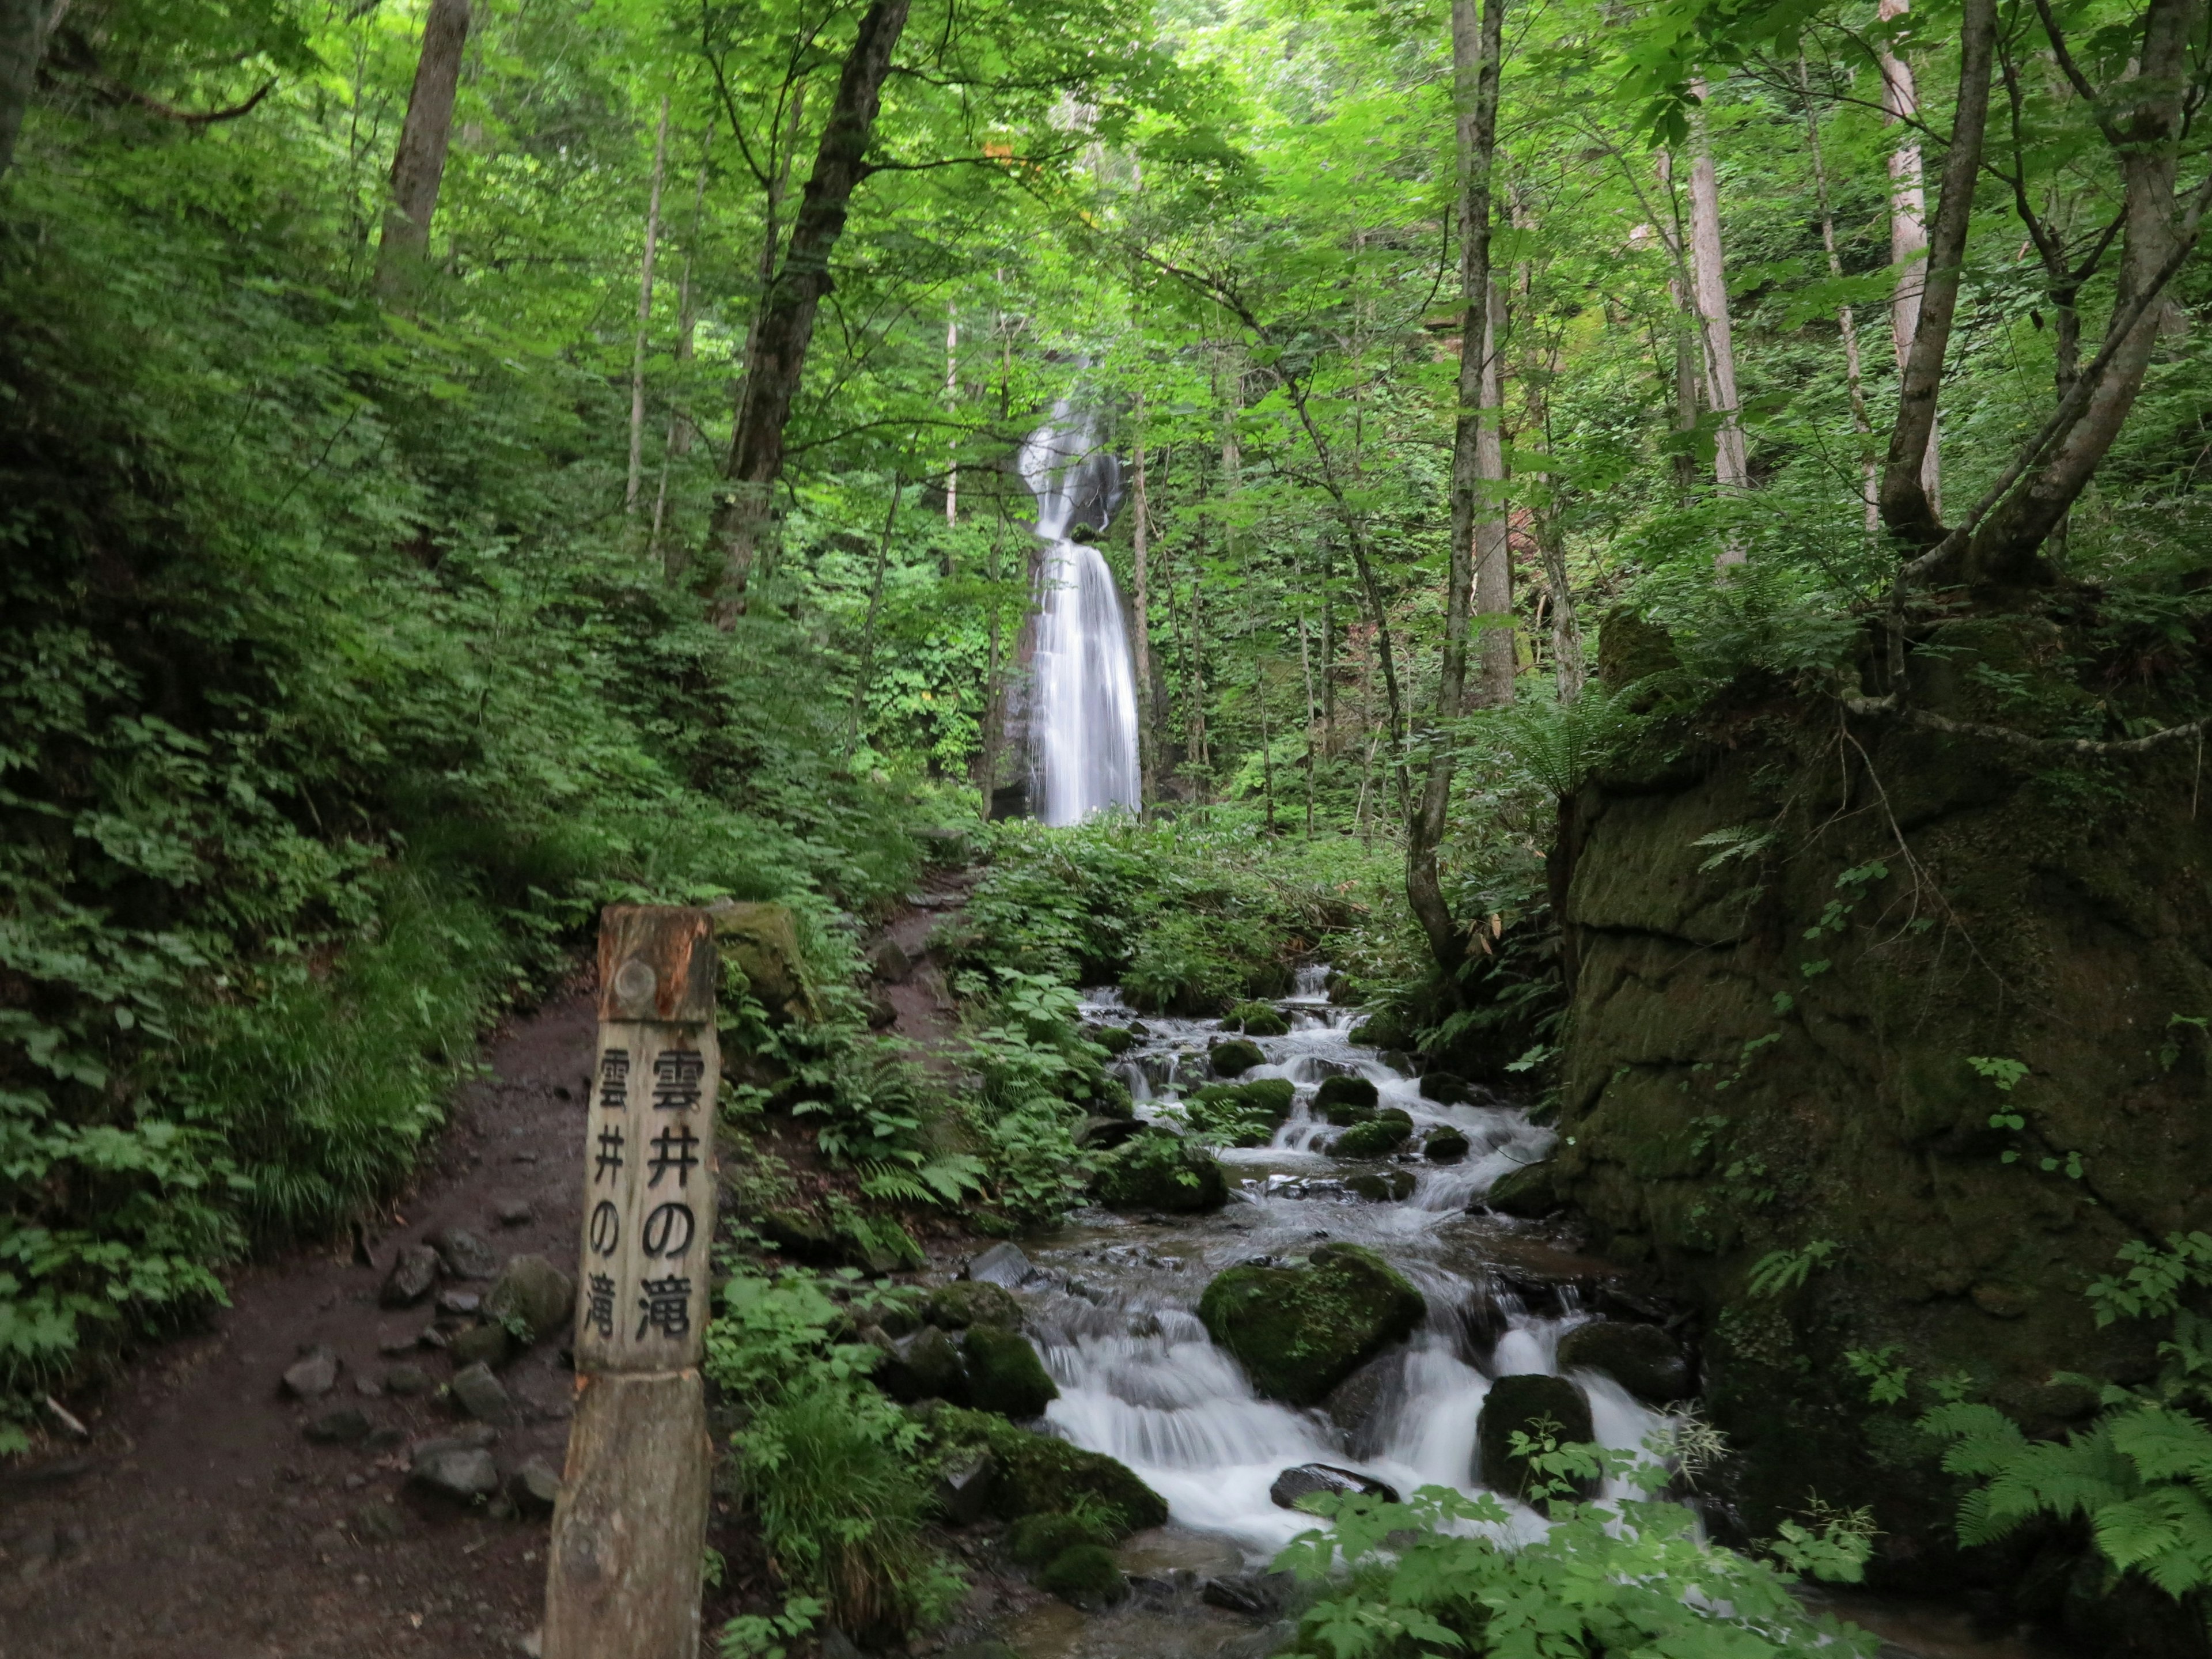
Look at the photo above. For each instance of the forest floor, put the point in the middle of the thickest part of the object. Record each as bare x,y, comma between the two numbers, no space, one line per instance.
199,1522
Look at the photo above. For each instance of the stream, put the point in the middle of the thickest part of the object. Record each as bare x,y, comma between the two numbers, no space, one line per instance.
1111,1305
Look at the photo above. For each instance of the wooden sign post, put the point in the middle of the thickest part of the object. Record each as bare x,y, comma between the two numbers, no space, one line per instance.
629,1529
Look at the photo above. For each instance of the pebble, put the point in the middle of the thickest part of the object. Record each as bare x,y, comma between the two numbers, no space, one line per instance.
516,1212
462,1303
314,1376
368,1388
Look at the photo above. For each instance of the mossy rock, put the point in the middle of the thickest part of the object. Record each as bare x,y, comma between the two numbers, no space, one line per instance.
1259,1019
1109,1097
1035,1539
1038,1474
1345,1100
1113,1039
1086,1577
926,1365
1161,1171
1630,648
1445,1088
761,942
966,1302
1243,1113
1526,1403
1643,1358
1531,1192
1235,1057
1005,1374
1445,1145
1301,1331
1378,1137
1383,1187
1381,1030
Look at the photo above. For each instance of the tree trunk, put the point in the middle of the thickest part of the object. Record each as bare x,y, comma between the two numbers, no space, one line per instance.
645,315
1731,461
1908,226
743,515
952,406
1493,545
680,429
1846,325
1140,611
22,44
419,165
1477,540
1906,508
1305,669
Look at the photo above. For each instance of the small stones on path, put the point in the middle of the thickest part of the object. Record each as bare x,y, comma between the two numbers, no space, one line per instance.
313,1375
397,1342
462,1304
403,1382
533,1290
515,1213
481,1345
349,1425
448,1470
464,1254
379,1523
534,1487
481,1395
414,1270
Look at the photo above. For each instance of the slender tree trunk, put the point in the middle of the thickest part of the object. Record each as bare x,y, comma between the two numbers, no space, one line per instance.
637,481
1906,508
1493,543
418,167
1690,347
1846,324
23,27
744,516
1305,669
868,627
1327,646
1140,611
1731,460
951,407
1908,228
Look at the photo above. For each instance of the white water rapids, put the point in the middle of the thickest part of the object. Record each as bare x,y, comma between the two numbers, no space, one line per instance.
1083,727
1113,1313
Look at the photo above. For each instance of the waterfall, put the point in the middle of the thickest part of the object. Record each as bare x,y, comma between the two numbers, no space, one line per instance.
1083,727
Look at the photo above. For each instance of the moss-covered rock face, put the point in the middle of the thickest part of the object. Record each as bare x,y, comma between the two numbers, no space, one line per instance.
1035,1539
1005,1374
1086,1577
1113,1039
761,942
1534,1406
1643,1358
1259,1019
1772,1050
1161,1171
1037,1474
1235,1057
1300,1331
1345,1100
1446,1088
1531,1192
1378,1137
968,1302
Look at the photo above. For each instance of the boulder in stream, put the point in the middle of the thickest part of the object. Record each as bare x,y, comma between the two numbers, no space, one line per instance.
1002,1264
1258,1019
1041,1474
1535,1405
1643,1358
1445,1145
1345,1100
1005,1374
1307,1479
926,1365
1161,1171
1530,1192
968,1302
1378,1137
1113,1039
1301,1331
1086,1577
1380,1186
1035,1540
1235,1057
1445,1088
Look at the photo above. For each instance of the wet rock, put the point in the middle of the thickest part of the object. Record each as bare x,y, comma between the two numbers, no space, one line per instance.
414,1270
924,1366
312,1375
1445,1088
378,1523
466,1255
804,1236
1005,1374
1086,1577
482,1396
403,1382
1532,1405
963,1487
963,1303
347,1426
1307,1479
1039,1474
1381,1186
1381,1030
1354,1404
463,1474
1530,1192
1345,1100
1159,1171
888,960
1035,1541
762,941
1115,1039
535,1487
481,1345
515,1213
1378,1137
1002,1265
1643,1358
1258,1019
1445,1145
1254,1595
1301,1331
1235,1057
1102,1134
534,1292
399,1342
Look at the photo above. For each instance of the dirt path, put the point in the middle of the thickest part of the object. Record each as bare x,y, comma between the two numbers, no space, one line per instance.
199,1522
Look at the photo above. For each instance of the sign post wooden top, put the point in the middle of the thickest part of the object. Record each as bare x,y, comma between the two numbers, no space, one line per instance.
657,964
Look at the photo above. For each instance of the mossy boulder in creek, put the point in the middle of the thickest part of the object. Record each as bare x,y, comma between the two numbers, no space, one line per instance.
1445,1088
1445,1145
1086,1577
1235,1057
1301,1331
1345,1100
1535,1406
1383,1187
761,941
1643,1358
1005,1374
1113,1039
1037,1474
966,1302
1035,1539
1531,1192
1259,1019
1381,1030
1378,1137
1161,1171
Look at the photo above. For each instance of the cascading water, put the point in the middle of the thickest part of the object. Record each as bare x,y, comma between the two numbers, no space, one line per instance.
1083,719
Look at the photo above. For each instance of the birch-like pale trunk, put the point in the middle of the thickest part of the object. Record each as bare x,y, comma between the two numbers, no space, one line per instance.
1708,275
1908,228
637,481
951,403
1141,609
